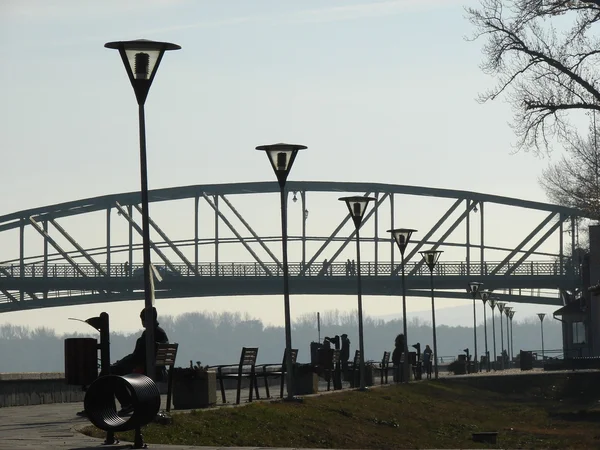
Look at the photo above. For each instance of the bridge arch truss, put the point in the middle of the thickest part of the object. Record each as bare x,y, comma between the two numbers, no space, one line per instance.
224,239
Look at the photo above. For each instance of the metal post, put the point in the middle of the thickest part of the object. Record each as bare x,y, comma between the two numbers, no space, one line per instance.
494,334
148,294
360,315
475,367
542,325
286,296
304,213
487,355
512,341
435,353
508,343
501,341
468,240
405,368
108,245
196,227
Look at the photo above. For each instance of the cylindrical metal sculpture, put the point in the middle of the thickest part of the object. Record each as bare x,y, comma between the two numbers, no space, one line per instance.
101,409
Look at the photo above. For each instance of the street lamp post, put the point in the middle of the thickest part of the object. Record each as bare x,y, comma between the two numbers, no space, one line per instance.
493,305
141,59
511,314
282,156
541,316
402,237
485,295
507,314
431,258
473,289
501,306
357,206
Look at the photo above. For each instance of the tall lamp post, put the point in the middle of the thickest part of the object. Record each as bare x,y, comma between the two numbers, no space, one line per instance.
357,206
511,314
485,295
493,305
501,306
431,258
473,289
141,59
541,316
281,157
402,237
507,314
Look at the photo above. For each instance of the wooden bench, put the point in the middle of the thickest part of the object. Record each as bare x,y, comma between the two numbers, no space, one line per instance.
328,366
246,368
279,371
354,370
384,366
165,358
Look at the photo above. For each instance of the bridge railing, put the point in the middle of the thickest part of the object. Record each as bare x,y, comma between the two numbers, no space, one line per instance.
255,269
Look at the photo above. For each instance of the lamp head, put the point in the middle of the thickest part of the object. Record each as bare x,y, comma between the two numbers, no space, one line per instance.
357,206
431,258
141,58
281,156
402,237
473,288
485,295
541,316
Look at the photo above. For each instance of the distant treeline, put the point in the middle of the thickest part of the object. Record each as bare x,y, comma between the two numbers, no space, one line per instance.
217,339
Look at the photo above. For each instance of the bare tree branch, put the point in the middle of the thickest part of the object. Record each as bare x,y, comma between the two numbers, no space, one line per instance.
544,69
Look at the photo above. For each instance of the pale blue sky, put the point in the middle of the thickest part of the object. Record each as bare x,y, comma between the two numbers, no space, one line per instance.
380,91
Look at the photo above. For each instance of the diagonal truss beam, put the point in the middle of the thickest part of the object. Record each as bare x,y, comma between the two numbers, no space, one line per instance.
540,241
438,224
8,294
523,243
334,234
234,231
54,244
447,233
169,242
252,232
353,233
139,230
75,244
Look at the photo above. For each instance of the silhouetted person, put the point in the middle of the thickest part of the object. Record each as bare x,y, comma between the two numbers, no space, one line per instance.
398,358
353,268
324,269
136,362
126,268
427,360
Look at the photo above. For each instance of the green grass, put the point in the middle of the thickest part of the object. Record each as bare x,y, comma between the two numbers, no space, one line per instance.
532,411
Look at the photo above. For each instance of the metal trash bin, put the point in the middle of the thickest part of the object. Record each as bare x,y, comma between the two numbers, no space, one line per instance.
81,361
526,360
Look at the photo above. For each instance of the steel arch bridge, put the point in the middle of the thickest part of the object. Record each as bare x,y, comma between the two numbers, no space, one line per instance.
224,240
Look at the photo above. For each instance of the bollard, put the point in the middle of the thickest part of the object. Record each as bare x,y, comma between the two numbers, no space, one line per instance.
101,410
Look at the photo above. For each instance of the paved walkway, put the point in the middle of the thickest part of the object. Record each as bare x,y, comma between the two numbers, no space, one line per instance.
55,426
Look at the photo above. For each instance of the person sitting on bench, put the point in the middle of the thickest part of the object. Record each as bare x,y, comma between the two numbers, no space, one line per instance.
136,362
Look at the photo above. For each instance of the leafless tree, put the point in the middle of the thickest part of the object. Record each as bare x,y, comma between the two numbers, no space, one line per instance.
574,180
544,54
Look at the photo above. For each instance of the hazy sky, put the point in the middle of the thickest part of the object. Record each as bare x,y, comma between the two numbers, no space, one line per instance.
380,91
